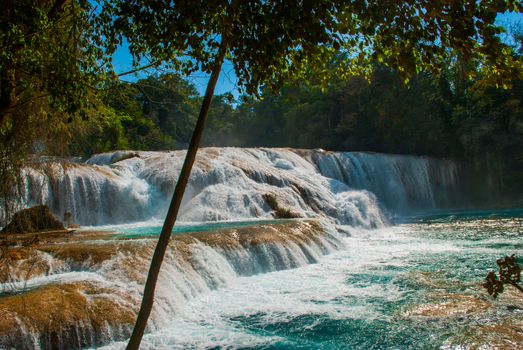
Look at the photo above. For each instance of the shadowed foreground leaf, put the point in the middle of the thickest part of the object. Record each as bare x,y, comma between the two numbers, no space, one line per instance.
509,273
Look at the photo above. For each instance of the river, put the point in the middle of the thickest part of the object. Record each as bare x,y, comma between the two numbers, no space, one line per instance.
412,286
379,257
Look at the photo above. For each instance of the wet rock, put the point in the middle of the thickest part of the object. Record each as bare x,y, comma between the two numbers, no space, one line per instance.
506,335
451,305
67,316
34,219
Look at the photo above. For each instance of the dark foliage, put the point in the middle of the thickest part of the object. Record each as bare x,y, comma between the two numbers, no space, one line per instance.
509,273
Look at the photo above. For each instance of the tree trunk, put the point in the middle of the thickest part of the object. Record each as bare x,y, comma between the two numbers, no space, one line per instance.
170,219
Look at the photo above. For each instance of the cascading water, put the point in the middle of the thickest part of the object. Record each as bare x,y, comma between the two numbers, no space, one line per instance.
345,194
230,184
401,183
86,292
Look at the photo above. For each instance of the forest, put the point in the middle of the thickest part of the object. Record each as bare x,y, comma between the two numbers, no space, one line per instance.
441,116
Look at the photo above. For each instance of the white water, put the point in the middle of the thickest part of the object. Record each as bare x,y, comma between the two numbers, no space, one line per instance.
366,295
362,290
229,184
192,268
213,320
402,183
354,191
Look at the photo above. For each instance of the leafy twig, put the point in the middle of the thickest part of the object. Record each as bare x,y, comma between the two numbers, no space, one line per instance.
509,273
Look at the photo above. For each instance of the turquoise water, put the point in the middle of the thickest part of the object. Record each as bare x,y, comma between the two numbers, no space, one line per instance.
149,231
412,286
464,248
465,215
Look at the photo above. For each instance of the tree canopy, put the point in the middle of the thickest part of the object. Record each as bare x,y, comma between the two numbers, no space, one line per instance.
272,42
48,62
49,72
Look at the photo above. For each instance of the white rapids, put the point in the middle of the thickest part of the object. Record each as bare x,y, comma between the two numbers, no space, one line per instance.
230,184
352,195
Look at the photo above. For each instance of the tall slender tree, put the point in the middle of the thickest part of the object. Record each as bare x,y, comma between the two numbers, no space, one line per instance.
270,42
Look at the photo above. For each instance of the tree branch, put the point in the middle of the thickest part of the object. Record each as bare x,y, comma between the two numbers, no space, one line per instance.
139,69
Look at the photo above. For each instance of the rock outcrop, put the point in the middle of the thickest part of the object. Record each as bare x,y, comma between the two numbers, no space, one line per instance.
34,219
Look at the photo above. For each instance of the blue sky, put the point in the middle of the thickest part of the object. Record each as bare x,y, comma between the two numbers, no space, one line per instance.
228,81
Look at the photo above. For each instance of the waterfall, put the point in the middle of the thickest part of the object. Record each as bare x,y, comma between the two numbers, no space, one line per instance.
92,298
84,291
402,183
231,184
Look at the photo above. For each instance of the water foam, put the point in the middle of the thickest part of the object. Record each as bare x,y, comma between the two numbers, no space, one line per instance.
225,317
231,184
113,272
